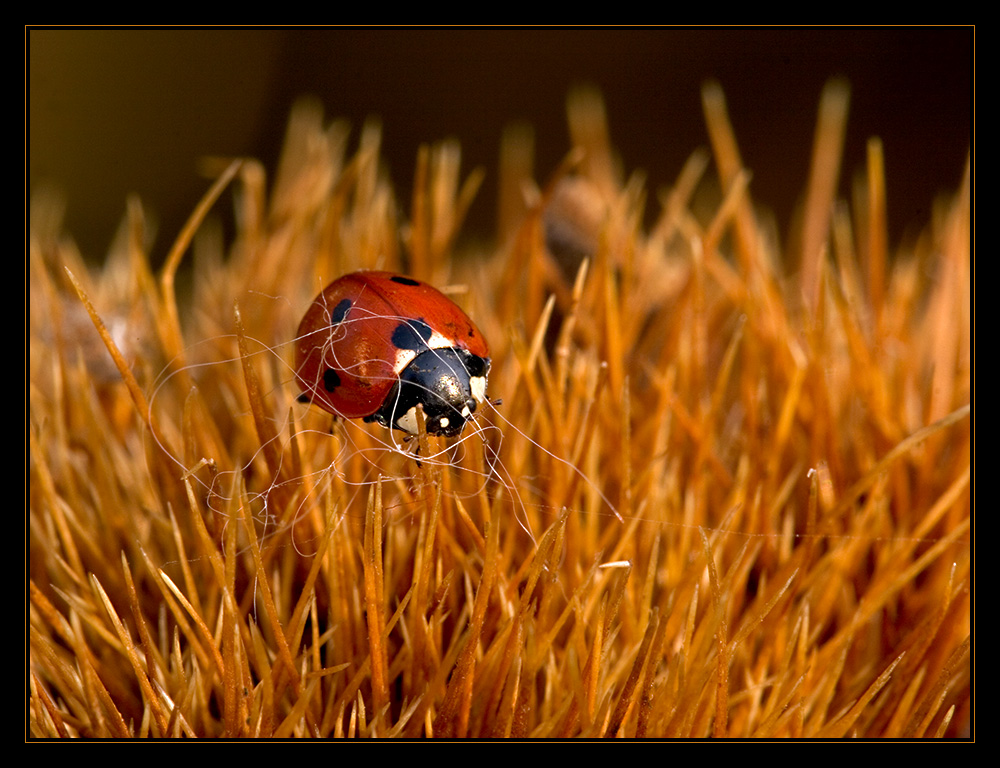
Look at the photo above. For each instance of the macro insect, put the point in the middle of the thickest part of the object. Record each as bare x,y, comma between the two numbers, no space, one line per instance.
378,345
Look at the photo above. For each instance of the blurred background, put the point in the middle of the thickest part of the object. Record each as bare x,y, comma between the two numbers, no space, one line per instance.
120,111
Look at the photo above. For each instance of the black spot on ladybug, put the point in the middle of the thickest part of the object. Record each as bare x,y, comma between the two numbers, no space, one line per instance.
413,334
402,280
331,379
340,311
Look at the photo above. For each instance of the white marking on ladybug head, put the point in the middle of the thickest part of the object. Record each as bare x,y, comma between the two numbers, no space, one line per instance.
478,386
408,421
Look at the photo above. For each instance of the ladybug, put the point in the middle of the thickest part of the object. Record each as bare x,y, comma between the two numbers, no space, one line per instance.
375,345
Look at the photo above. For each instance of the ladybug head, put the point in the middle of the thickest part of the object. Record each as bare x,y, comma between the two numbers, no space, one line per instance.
447,383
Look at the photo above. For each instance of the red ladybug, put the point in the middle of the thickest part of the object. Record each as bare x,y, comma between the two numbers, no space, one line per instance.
375,345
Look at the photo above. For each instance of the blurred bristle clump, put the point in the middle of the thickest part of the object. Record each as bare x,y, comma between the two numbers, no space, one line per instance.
724,489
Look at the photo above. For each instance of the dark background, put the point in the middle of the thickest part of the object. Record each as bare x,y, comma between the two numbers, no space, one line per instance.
119,111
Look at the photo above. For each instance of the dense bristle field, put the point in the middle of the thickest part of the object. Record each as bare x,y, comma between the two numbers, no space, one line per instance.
726,492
